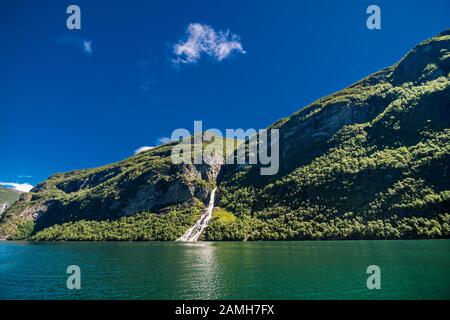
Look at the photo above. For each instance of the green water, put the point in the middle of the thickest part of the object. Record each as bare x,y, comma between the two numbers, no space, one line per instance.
226,270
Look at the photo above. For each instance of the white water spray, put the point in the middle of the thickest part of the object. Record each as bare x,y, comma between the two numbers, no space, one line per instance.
196,230
3,207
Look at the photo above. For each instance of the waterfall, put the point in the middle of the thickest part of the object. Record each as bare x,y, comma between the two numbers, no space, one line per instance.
196,230
3,207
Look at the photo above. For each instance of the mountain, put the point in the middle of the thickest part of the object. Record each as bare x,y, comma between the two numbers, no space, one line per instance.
7,197
368,162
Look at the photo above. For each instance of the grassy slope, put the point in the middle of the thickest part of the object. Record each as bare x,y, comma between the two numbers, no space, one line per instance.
7,195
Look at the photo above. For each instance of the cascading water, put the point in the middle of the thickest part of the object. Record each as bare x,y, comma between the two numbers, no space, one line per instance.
196,230
3,207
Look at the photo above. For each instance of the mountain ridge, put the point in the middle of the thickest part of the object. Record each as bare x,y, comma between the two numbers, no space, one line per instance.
367,162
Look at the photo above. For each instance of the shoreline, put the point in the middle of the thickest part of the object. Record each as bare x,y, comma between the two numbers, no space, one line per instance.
218,241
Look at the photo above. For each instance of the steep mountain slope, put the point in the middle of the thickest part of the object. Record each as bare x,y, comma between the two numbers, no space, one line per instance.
370,161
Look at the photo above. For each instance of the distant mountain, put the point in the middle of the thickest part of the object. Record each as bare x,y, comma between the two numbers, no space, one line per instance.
7,197
368,162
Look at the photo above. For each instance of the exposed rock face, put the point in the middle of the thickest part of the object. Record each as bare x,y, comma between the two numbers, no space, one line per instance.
427,61
310,129
25,197
163,194
32,212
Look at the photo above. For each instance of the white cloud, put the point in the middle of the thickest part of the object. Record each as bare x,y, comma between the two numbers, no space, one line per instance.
142,149
163,140
84,45
22,187
87,47
202,39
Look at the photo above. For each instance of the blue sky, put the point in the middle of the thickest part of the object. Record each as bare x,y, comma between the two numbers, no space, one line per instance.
72,99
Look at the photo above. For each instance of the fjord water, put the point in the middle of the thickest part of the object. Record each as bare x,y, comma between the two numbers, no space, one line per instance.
226,270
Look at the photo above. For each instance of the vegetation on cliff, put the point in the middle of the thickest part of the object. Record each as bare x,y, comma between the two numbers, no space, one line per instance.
139,227
374,162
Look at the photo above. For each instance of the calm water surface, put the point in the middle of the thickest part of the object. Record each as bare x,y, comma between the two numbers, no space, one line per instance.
226,270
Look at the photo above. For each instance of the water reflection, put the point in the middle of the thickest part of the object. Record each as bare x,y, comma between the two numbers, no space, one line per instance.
199,277
226,270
